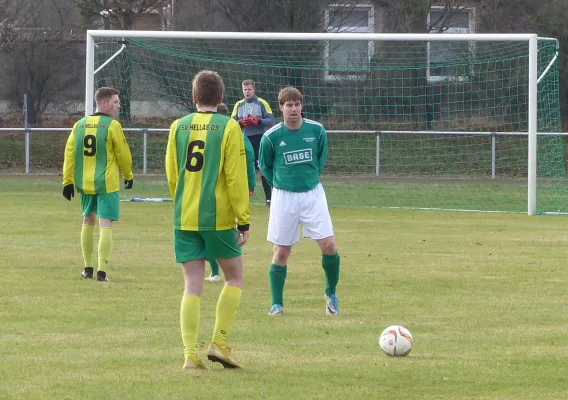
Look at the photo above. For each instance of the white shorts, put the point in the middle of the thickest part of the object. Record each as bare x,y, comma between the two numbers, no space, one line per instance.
289,210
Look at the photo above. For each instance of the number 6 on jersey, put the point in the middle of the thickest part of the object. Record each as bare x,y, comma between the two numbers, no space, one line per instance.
195,154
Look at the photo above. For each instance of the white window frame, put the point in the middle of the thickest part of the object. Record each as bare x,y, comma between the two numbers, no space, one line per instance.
370,29
472,45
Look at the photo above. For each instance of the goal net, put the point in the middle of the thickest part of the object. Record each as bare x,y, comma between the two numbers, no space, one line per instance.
419,121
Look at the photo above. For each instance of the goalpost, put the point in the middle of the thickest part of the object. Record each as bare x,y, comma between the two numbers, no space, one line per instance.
434,121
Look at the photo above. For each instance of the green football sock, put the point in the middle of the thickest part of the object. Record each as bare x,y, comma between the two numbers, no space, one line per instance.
277,277
330,265
214,267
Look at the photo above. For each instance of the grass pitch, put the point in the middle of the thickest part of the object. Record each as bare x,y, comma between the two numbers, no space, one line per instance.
484,296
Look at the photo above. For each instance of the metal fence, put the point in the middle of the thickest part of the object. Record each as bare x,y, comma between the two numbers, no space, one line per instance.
377,134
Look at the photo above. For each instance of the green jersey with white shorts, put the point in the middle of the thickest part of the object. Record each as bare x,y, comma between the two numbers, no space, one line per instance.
293,160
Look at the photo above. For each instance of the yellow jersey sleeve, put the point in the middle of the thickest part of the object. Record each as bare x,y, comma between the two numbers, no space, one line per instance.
235,168
69,159
121,150
171,160
236,108
266,105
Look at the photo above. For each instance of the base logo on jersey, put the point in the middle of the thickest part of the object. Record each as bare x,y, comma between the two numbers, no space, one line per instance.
297,156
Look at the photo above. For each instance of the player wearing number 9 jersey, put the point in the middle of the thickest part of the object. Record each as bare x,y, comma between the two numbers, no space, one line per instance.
95,150
207,177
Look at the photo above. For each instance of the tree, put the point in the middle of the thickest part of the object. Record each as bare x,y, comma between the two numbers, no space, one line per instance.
118,14
291,16
39,54
274,16
317,16
383,85
508,16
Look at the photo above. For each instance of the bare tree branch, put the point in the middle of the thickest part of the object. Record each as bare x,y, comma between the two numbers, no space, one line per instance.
39,56
117,14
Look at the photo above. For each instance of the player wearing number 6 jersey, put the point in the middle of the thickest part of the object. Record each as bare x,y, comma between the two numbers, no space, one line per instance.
292,156
251,176
95,150
207,178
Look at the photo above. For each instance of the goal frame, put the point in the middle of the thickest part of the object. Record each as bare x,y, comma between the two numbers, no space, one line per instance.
529,38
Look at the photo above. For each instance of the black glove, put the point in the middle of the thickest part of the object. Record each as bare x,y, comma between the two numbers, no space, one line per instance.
243,228
69,191
128,183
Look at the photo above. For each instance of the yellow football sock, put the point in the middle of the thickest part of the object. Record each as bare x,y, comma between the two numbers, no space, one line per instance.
87,244
105,246
227,306
189,320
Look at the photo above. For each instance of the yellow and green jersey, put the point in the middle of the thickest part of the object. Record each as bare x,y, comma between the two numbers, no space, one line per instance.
95,150
207,174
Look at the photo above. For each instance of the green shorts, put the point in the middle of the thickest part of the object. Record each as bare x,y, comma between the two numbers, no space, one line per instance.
106,206
194,245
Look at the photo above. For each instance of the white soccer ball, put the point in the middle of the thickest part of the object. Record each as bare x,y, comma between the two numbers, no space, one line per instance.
396,341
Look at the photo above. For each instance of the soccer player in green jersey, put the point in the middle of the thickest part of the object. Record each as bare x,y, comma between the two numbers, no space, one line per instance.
95,150
251,176
292,156
207,178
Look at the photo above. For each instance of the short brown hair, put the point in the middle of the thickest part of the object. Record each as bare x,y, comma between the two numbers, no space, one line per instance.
222,109
105,93
208,88
247,82
289,94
